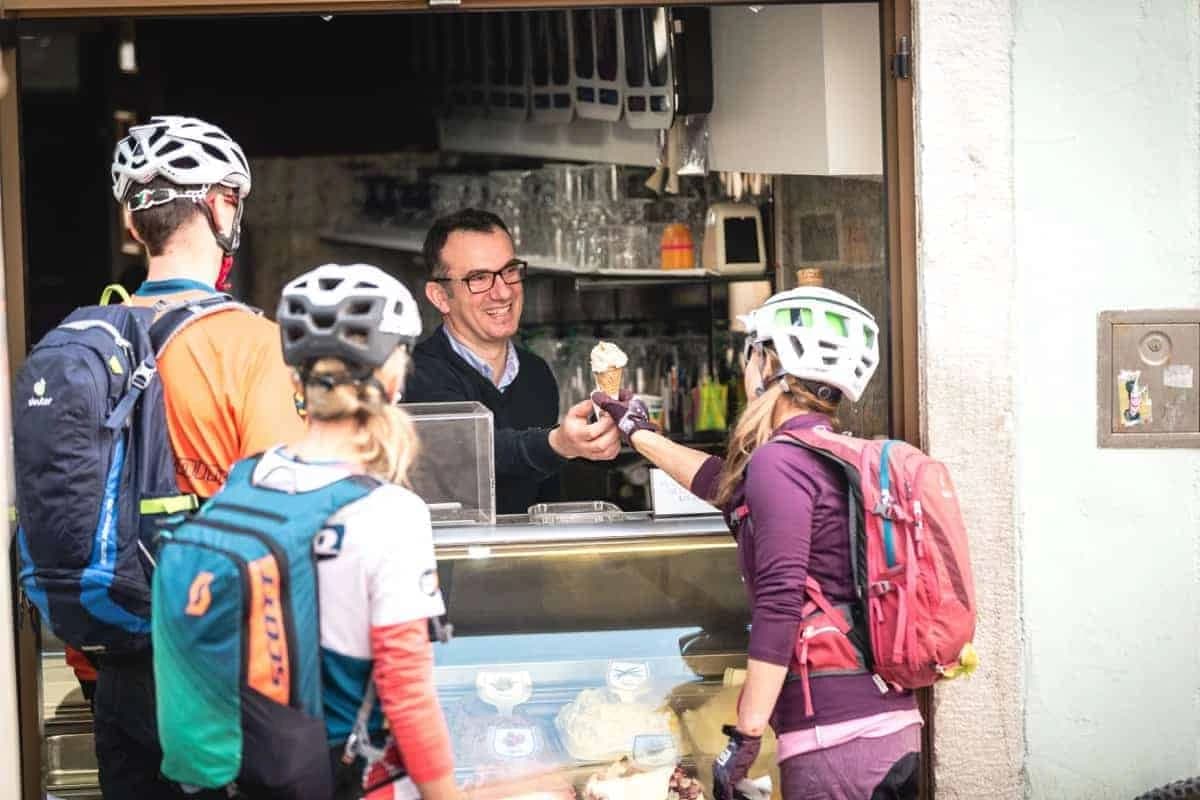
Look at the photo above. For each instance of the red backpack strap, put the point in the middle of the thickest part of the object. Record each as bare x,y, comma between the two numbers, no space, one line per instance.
820,601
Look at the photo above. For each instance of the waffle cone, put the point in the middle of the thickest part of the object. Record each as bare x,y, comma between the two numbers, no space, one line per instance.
609,382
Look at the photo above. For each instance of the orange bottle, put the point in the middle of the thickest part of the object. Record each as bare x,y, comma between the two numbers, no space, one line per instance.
676,248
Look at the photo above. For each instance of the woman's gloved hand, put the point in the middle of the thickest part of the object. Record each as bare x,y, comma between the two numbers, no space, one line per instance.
733,764
629,412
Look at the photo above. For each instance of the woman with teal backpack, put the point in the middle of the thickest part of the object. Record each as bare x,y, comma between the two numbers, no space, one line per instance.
337,499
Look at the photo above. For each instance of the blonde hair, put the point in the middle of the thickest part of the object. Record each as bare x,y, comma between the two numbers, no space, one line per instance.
757,422
386,439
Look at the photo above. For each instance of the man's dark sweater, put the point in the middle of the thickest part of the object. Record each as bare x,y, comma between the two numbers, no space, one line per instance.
524,413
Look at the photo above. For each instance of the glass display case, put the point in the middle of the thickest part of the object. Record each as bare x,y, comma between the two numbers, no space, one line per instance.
593,659
607,672
454,472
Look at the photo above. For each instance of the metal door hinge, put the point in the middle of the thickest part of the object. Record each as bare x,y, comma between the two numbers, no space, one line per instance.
902,60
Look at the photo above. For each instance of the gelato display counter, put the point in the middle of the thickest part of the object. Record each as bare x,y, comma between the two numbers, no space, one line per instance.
592,660
589,659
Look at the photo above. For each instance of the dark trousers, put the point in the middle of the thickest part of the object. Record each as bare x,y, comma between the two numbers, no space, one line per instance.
126,732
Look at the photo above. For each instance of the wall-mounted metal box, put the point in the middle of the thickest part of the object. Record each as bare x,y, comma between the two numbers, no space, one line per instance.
1149,363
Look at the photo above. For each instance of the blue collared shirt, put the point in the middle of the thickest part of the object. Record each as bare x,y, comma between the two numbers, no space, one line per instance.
511,366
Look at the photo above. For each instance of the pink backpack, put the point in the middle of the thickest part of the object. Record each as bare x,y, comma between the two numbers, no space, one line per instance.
911,569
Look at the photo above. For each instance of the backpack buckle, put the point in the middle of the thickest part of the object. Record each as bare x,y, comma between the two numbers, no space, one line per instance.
142,376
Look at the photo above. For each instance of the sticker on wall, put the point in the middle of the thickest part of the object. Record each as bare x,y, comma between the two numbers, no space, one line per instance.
1178,376
1134,398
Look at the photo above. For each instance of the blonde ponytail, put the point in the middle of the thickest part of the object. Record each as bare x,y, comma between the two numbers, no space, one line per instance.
385,439
758,422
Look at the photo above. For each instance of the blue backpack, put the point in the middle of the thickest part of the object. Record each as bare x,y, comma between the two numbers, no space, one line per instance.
237,659
95,470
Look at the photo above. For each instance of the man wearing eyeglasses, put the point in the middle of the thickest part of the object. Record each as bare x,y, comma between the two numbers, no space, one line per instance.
476,283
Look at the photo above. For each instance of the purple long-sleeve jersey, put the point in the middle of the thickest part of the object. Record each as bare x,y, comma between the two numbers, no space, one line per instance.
798,526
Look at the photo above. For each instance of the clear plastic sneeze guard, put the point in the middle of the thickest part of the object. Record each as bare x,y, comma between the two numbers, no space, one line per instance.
455,471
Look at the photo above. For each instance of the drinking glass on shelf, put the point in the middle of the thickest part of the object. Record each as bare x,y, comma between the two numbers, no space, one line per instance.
447,192
475,191
559,197
627,247
507,192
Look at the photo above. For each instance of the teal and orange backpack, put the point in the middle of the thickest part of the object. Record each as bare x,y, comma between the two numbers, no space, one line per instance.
236,631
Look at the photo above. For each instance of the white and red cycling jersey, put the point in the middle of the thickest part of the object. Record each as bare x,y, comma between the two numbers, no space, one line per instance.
378,583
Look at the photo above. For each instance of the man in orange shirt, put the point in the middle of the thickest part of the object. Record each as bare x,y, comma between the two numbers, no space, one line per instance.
227,392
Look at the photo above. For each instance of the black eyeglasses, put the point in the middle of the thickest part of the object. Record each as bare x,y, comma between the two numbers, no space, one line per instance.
482,280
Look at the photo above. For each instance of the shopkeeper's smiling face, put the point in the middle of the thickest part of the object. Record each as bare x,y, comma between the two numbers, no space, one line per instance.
489,317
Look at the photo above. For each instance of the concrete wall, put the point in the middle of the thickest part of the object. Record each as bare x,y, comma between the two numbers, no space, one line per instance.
1058,175
1107,188
967,295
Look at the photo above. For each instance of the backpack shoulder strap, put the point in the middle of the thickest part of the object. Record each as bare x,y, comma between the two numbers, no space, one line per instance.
808,439
174,318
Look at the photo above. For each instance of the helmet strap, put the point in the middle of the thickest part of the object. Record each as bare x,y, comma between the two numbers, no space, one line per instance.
360,377
227,242
223,283
822,391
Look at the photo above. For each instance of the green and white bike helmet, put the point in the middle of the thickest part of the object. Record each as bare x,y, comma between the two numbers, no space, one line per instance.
820,336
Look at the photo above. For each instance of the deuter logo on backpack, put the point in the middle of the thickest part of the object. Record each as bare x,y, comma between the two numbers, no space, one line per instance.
39,397
94,470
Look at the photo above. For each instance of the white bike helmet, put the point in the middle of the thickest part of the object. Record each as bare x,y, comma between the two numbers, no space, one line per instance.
354,312
184,150
820,336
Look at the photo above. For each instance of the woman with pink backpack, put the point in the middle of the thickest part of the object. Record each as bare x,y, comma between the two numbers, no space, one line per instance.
843,733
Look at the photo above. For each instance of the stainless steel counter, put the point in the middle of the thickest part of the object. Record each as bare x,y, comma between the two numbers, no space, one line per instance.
518,529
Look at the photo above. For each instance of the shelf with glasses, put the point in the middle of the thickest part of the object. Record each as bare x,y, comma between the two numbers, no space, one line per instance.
410,238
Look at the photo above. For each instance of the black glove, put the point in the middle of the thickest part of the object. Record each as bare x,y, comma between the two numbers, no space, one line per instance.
629,412
733,764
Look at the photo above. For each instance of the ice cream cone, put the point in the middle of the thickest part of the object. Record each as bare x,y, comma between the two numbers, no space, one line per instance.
609,381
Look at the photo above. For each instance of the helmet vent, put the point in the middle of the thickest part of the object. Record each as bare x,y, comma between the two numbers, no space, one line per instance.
328,284
356,336
361,307
212,151
365,285
295,308
324,321
187,162
170,147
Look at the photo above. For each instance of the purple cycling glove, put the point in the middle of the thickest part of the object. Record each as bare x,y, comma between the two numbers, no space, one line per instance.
733,764
629,412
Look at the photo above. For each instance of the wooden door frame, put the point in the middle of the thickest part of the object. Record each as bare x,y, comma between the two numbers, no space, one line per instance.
901,224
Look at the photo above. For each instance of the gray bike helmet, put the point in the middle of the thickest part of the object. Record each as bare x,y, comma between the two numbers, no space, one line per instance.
354,312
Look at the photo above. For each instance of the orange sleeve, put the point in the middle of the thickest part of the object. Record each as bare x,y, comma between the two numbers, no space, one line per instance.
268,410
404,679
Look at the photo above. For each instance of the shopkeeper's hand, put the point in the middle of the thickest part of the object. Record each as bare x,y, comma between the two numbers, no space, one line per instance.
629,412
577,438
733,764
